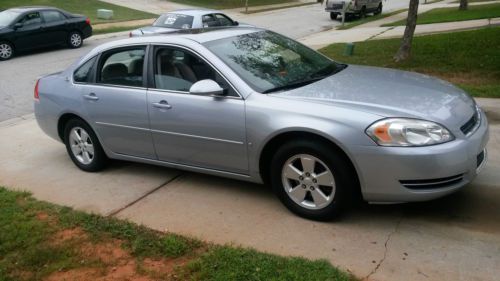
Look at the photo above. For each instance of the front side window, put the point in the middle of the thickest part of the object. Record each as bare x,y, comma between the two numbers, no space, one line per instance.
269,62
31,19
7,17
84,73
123,68
176,21
178,69
224,20
52,16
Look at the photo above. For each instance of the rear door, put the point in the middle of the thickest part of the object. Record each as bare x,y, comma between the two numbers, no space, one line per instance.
117,104
54,26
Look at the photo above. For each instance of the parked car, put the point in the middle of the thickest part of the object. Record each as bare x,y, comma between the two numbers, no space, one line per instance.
353,7
187,19
27,28
253,105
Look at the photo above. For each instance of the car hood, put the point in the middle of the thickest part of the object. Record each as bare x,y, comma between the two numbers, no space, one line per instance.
155,29
391,93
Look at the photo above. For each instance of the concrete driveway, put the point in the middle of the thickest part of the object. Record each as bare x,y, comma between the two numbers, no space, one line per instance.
454,238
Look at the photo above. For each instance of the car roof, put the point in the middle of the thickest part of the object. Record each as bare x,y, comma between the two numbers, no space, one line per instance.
31,8
193,12
201,36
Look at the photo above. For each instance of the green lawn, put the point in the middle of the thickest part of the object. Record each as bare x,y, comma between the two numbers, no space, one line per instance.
453,14
470,59
369,18
228,4
85,7
39,240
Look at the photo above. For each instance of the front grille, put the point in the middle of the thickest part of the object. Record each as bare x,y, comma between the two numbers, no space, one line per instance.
337,6
432,183
471,125
480,158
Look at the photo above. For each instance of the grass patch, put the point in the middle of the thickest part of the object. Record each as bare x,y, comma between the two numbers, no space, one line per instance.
40,240
475,12
87,7
230,4
469,59
352,24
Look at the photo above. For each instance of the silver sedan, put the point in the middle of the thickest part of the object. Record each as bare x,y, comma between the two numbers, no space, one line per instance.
187,19
253,105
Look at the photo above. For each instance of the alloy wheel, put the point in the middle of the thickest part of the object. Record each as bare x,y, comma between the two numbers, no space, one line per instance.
5,51
308,181
82,146
75,40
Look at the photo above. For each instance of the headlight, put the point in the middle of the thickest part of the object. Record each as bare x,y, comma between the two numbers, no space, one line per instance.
408,132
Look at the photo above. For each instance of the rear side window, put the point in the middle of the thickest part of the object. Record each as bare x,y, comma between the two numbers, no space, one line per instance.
122,67
84,73
52,16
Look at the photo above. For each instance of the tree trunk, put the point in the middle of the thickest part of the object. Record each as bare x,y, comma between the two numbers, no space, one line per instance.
463,5
405,48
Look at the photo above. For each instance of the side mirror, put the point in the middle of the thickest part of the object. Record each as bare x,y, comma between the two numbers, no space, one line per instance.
235,23
206,88
18,25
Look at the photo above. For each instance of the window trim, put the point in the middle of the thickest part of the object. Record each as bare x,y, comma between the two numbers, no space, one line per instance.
98,65
150,70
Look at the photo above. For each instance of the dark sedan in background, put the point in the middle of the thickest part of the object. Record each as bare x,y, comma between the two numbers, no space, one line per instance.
27,28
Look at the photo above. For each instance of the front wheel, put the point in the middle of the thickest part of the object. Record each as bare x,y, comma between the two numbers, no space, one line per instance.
6,51
379,9
83,146
75,40
312,179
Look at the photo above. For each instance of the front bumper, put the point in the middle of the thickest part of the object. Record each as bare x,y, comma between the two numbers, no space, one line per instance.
403,174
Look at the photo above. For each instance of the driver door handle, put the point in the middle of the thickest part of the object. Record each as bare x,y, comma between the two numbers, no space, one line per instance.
162,105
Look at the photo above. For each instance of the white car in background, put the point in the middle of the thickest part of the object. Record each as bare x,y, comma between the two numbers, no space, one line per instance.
187,19
353,7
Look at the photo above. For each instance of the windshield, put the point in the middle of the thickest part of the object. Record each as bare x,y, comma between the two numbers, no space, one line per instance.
7,17
269,62
176,21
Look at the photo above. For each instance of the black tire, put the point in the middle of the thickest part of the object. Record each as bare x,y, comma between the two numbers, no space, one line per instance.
362,14
98,159
6,50
379,10
344,178
75,40
333,16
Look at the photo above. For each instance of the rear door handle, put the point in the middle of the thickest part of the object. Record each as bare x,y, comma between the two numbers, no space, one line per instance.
162,105
91,96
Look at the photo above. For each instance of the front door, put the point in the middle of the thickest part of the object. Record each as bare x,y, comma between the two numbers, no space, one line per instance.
117,103
30,35
199,131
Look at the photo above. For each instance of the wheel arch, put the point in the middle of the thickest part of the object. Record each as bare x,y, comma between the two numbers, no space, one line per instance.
281,138
63,120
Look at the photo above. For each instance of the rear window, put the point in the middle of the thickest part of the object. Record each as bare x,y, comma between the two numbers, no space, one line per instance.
176,21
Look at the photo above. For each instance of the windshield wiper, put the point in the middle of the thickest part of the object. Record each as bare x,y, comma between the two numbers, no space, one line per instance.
292,85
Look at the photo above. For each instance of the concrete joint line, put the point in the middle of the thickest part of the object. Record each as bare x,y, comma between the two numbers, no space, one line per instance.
381,261
378,34
115,212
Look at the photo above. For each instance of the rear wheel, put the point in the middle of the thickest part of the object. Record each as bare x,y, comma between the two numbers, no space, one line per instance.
6,51
362,14
379,9
83,146
75,40
333,16
312,179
